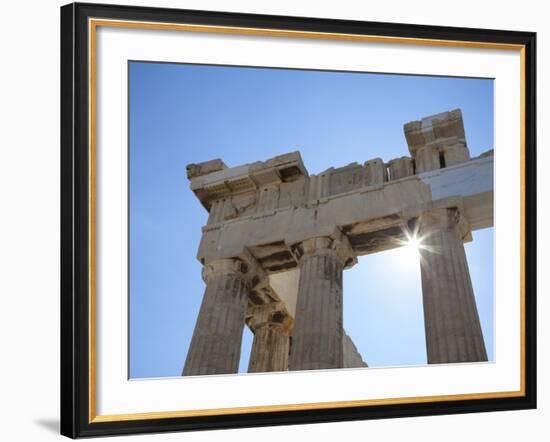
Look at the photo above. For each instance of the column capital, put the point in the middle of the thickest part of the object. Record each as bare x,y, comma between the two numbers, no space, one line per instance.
335,244
226,266
445,218
273,315
244,266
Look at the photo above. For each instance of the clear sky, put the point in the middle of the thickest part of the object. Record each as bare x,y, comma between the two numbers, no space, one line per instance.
181,114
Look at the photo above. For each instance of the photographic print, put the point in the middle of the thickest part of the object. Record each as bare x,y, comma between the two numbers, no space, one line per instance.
285,219
281,220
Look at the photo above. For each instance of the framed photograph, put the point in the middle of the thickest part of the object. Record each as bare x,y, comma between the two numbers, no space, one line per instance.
273,220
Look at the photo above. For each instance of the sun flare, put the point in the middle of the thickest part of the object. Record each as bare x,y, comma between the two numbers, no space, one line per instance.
414,244
411,247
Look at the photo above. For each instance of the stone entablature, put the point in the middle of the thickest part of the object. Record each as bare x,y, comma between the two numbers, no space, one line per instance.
262,187
370,216
265,207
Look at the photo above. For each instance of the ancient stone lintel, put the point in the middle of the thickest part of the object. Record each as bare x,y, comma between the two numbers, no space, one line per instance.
377,234
274,257
268,239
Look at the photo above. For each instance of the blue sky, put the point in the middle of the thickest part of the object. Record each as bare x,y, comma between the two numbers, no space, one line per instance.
181,114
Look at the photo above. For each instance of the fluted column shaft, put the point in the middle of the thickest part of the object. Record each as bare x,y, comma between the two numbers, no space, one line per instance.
216,344
453,330
271,344
317,338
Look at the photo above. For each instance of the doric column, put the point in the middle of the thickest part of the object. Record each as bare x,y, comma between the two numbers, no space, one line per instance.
453,330
270,348
216,344
317,337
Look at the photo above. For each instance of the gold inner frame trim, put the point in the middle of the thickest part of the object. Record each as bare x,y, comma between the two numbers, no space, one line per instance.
93,24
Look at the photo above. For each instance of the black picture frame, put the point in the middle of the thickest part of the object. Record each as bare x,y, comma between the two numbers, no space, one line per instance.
75,220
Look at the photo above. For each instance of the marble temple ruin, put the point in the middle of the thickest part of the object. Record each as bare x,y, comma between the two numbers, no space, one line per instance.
278,240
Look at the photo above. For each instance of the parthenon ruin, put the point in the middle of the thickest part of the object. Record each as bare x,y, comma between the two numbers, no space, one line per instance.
277,242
